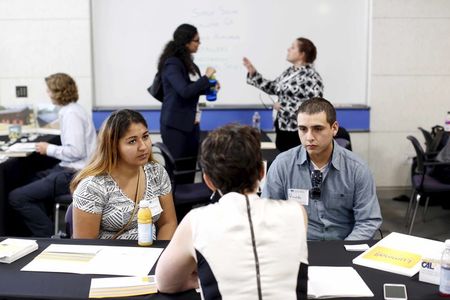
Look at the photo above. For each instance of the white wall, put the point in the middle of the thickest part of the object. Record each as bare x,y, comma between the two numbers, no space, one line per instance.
409,80
38,38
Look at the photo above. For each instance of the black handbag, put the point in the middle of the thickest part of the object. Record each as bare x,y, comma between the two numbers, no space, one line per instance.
156,89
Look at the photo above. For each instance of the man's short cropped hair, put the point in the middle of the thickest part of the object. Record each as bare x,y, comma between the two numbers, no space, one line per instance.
317,105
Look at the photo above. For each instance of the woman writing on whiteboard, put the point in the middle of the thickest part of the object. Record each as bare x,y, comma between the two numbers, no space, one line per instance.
296,84
182,85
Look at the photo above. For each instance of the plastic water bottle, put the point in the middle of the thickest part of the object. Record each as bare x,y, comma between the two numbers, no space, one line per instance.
145,224
444,286
447,122
212,93
256,121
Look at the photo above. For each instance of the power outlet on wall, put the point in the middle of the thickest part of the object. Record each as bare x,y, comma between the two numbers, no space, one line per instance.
21,91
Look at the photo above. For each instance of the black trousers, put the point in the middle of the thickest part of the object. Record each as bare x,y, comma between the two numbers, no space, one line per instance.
183,144
32,200
285,140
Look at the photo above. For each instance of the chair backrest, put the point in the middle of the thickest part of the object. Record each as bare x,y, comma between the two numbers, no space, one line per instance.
342,135
427,136
343,142
432,139
69,221
186,195
420,155
437,141
169,161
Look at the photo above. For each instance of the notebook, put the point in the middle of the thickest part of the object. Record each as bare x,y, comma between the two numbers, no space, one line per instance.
13,249
398,253
336,282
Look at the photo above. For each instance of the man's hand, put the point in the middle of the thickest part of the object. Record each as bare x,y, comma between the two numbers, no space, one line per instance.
41,148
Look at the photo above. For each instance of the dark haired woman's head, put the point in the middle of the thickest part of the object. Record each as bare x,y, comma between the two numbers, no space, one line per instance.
307,47
185,42
184,34
231,158
112,130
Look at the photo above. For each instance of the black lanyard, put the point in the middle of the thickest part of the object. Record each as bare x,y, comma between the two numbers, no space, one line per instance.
255,253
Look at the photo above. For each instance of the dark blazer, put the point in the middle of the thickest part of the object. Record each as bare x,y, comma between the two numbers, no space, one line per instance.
181,95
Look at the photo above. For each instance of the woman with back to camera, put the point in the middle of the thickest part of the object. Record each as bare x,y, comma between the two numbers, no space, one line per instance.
298,83
182,84
240,247
107,192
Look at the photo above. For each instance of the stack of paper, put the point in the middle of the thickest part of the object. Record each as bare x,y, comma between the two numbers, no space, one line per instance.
13,249
89,259
398,253
122,287
22,147
336,282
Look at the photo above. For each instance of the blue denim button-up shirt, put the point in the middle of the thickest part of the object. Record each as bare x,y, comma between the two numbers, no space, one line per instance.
348,207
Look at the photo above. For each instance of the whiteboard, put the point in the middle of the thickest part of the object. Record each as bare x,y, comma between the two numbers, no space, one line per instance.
128,37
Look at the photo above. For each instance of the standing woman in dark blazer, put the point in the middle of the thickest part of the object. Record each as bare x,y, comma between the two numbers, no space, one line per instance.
182,85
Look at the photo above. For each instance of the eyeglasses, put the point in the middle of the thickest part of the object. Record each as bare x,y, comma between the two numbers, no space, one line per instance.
316,181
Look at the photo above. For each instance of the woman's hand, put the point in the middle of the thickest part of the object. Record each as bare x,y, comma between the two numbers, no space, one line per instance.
276,106
210,71
250,68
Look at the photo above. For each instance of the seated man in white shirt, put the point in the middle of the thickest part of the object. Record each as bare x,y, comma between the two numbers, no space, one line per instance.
78,139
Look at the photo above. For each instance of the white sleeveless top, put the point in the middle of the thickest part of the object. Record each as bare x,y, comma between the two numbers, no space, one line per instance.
224,252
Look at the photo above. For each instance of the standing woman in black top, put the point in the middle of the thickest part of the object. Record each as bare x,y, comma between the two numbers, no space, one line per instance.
182,85
298,83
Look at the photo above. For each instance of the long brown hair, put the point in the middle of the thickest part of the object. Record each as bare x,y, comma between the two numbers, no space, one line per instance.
106,154
184,34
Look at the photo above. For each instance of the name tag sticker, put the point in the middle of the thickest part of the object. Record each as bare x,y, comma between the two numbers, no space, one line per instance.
299,195
155,206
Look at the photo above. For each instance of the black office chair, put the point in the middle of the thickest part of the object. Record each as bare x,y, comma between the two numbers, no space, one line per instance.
343,143
60,201
69,221
186,195
432,141
422,183
343,138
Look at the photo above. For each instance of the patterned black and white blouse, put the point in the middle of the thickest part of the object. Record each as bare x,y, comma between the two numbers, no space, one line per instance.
293,86
102,195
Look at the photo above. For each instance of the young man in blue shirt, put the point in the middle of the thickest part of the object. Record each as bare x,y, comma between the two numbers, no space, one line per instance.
335,186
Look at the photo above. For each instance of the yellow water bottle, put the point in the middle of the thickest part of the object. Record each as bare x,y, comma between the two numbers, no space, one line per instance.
145,224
